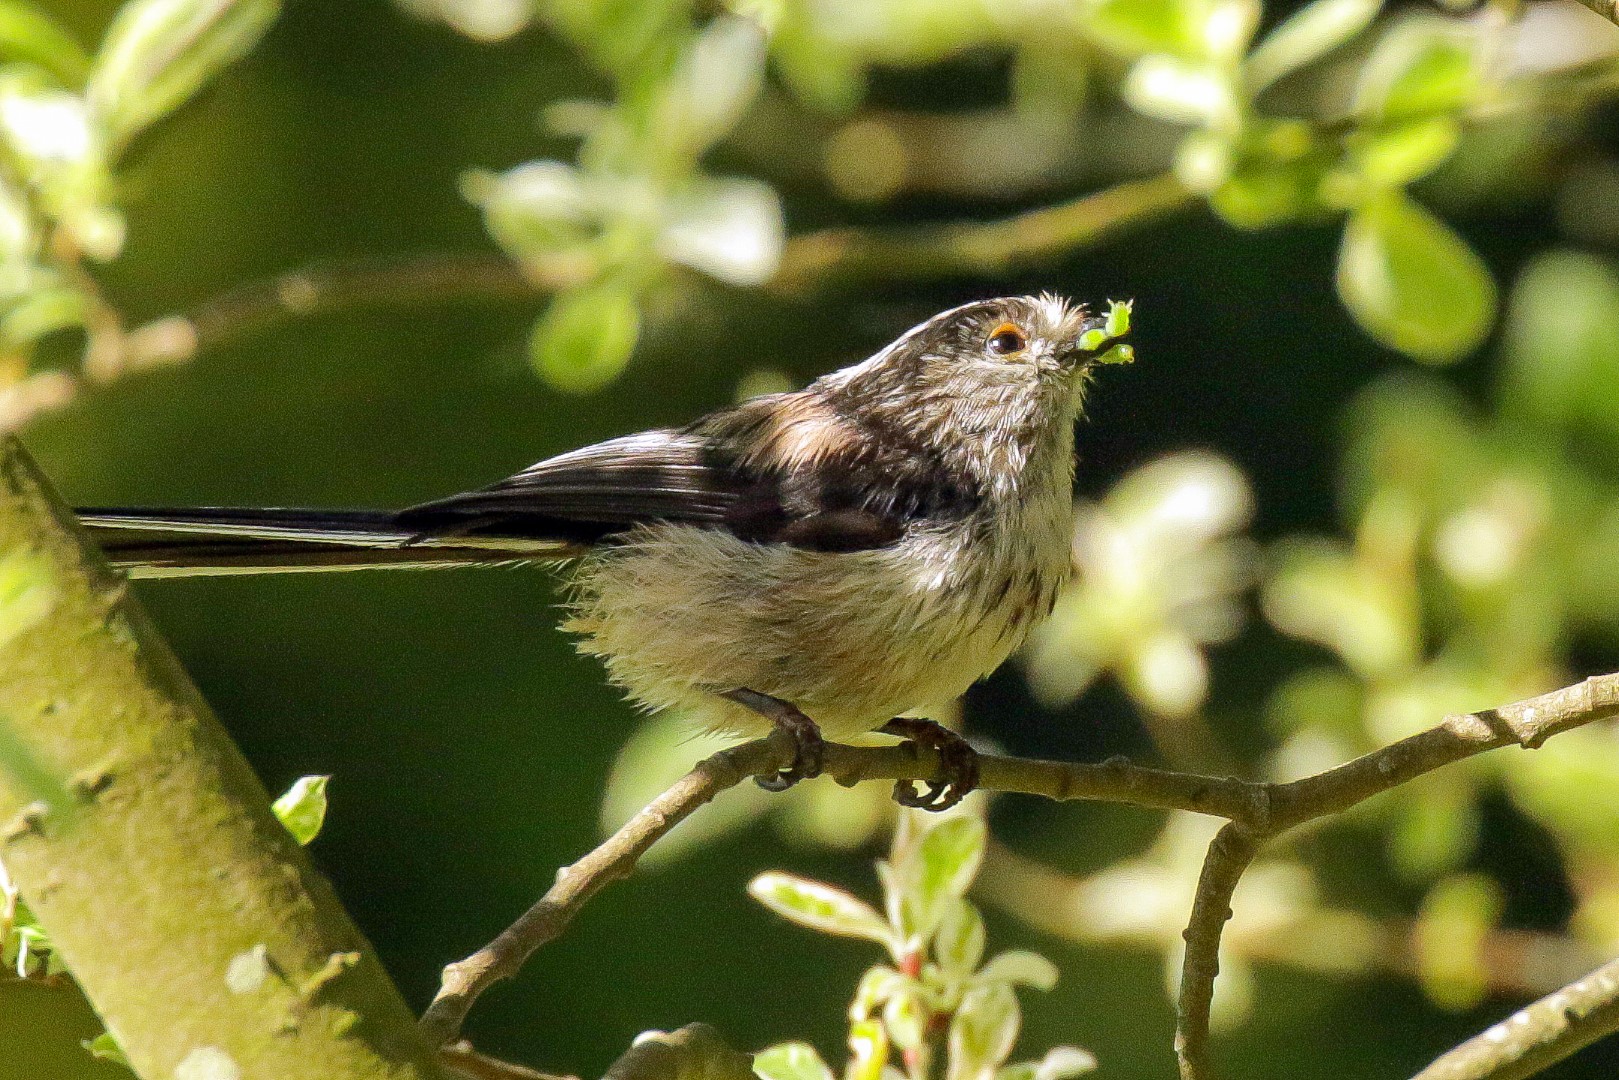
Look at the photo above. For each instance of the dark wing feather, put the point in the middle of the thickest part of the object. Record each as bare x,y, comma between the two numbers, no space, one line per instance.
685,477
592,493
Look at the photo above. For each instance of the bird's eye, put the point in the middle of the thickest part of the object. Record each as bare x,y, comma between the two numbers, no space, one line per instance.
1006,340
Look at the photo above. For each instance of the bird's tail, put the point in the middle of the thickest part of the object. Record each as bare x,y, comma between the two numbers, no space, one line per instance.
211,540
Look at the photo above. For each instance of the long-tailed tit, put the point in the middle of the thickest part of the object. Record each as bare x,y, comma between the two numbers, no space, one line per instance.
821,560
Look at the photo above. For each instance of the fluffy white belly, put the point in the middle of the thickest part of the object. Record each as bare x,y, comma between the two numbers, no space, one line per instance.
677,613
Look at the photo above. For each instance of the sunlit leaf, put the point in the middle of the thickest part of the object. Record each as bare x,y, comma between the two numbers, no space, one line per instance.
983,1031
42,313
1306,36
959,942
1412,283
1147,26
105,1048
730,229
1183,91
905,1020
1021,968
877,985
944,863
1423,66
158,53
1562,355
791,1061
820,907
1060,1063
868,1051
586,336
302,807
1457,917
28,34
1396,155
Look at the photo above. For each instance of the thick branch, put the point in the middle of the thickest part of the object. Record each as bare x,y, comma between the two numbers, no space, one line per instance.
191,918
1608,9
1539,1036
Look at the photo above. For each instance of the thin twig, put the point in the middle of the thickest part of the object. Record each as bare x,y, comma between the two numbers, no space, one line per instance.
576,884
462,1060
1539,1035
985,248
1256,809
809,260
1230,852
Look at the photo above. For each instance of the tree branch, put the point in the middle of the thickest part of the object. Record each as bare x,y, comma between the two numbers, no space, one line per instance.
261,971
1538,1036
1608,9
1230,852
1257,810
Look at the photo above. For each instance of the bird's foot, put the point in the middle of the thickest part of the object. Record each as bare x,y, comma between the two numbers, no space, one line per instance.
958,765
809,745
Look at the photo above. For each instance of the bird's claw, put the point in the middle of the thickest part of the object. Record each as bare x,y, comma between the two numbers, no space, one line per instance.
958,765
809,747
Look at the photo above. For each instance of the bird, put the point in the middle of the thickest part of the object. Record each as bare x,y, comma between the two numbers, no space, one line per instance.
825,561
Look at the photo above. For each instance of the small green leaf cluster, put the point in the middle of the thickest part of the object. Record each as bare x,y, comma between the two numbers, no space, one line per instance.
1409,280
67,119
937,992
607,227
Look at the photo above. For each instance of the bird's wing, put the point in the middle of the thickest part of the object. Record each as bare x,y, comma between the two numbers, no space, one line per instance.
677,476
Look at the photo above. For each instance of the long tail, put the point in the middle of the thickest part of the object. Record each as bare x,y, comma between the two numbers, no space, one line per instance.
211,540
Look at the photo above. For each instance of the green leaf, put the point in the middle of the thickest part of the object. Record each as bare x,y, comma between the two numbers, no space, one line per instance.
1395,156
1181,91
1144,26
790,1061
730,229
585,338
877,985
1060,1063
1019,967
105,1048
1306,36
941,868
302,809
905,1020
1412,283
43,313
1562,352
868,1051
983,1031
29,35
1422,67
959,942
158,53
1195,29
820,907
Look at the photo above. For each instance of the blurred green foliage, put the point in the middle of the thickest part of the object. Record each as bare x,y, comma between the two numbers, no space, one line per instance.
1291,546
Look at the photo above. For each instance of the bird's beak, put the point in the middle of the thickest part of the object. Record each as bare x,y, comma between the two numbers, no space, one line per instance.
1079,352
1100,337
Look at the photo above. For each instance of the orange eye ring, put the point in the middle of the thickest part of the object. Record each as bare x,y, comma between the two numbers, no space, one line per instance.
1006,340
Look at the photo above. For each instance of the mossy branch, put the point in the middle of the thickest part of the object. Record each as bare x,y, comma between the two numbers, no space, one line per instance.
193,921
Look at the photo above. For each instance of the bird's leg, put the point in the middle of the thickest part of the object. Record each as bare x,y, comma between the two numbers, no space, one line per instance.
958,764
811,747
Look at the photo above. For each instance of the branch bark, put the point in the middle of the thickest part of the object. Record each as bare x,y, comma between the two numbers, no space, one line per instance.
1256,810
1538,1036
191,918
